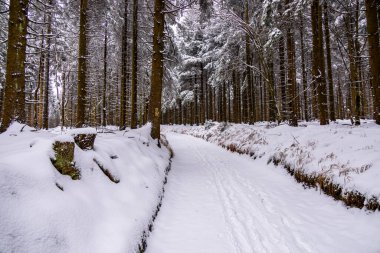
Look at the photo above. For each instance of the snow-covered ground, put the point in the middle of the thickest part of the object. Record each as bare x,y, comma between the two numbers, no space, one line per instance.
345,155
218,201
92,214
215,200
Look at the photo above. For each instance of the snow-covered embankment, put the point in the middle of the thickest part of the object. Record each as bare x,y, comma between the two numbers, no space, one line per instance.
44,211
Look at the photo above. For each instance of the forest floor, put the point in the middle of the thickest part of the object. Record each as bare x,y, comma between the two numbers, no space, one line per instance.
218,201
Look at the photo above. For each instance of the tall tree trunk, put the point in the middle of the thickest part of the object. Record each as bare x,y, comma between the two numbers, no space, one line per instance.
202,95
14,91
318,61
248,58
134,66
105,66
292,83
354,73
1,102
273,111
374,52
82,66
304,74
329,67
124,71
340,100
281,55
224,96
235,101
38,92
157,67
239,97
196,99
210,103
63,99
45,117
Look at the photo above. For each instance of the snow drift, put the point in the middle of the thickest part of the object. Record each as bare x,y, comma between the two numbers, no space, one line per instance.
44,211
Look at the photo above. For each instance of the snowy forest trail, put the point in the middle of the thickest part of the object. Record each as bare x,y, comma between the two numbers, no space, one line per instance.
217,201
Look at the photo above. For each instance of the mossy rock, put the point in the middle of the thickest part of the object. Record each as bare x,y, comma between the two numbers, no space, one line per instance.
85,141
64,159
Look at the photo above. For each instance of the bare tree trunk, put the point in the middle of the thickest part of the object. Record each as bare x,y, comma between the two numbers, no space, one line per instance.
354,74
47,71
134,66
124,71
210,103
374,52
248,58
202,96
105,66
281,54
82,66
340,100
236,99
224,96
1,102
329,67
318,61
157,67
271,90
304,74
14,91
292,88
63,99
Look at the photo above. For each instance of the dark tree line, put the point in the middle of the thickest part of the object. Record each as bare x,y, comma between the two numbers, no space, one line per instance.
278,61
126,62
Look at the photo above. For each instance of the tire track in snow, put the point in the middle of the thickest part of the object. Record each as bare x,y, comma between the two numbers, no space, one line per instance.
245,209
222,197
218,203
242,242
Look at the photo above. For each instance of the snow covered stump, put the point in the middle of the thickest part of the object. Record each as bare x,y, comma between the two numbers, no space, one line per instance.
84,137
63,160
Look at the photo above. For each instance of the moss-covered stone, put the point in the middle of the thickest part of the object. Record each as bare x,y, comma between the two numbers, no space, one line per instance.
85,141
64,159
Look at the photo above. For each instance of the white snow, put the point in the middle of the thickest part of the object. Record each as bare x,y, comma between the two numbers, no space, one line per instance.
215,200
348,155
218,201
92,214
85,130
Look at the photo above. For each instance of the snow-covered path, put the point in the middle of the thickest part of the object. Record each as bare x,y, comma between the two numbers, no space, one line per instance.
216,201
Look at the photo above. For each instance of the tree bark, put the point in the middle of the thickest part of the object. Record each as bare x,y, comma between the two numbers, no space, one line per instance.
248,58
105,66
134,66
354,71
318,61
202,96
45,117
281,55
63,99
124,71
14,91
329,67
82,66
291,86
374,52
304,74
157,67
